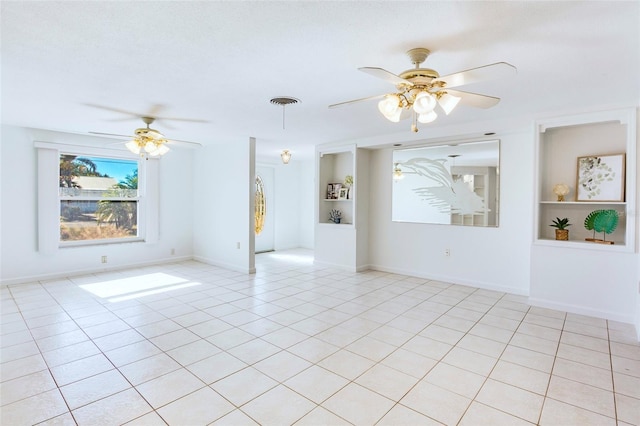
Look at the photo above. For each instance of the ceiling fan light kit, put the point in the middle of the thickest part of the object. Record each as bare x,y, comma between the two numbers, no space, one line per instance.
148,141
420,90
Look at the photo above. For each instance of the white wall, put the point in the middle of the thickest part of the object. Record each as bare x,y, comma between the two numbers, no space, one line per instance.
493,258
588,282
637,218
20,259
223,187
289,206
306,203
363,191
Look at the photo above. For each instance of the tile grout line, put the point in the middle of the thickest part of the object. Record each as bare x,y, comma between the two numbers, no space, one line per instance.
553,365
42,356
486,379
613,381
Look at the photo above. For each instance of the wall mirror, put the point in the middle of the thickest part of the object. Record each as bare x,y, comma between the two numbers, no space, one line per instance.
456,184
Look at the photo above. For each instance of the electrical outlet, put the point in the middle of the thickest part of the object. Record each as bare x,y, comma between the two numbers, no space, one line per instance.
173,251
238,245
103,259
447,252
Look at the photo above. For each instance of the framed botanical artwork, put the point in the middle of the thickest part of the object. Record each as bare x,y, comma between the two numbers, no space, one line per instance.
601,178
343,193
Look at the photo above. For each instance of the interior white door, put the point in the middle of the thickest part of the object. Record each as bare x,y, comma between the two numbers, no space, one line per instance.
265,239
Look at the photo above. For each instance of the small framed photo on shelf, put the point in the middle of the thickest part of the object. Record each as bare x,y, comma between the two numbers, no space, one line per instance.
333,190
601,178
343,194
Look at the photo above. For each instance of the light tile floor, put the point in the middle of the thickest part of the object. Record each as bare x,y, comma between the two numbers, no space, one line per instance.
192,344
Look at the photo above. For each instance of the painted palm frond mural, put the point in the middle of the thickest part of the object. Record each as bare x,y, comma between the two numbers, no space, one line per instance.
448,195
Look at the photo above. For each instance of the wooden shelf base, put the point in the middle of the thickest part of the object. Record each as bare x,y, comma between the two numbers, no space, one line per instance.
595,240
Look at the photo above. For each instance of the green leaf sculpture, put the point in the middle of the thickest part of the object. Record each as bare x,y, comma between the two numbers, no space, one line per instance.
589,221
605,221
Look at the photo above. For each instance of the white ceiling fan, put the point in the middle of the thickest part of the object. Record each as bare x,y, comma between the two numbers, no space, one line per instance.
419,90
147,141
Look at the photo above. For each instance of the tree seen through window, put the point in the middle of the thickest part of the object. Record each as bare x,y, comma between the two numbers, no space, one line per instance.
98,198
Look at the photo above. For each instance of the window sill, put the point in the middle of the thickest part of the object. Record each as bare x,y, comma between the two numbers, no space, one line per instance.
71,244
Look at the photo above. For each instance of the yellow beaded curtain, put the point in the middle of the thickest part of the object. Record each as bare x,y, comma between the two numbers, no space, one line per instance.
261,205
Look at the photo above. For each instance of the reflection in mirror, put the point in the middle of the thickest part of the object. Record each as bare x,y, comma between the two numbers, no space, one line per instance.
455,184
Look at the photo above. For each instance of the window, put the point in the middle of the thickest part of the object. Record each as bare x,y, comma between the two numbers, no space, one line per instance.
73,206
99,198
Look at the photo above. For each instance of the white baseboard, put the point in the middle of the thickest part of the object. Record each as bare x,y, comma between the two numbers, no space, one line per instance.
77,272
334,265
363,268
580,310
450,279
224,265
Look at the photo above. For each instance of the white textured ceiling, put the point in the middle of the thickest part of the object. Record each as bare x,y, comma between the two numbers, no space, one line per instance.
223,61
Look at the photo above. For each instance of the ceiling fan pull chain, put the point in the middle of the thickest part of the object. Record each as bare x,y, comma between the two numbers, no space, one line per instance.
414,124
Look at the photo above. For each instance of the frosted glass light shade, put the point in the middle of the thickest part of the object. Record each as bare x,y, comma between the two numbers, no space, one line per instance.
133,146
390,108
424,103
448,102
150,147
286,156
163,149
428,117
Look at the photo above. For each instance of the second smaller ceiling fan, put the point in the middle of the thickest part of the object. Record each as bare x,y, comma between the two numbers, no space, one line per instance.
419,90
149,142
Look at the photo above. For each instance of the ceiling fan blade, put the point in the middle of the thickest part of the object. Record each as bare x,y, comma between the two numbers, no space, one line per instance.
474,99
153,111
370,98
111,134
474,75
186,144
385,75
188,120
121,111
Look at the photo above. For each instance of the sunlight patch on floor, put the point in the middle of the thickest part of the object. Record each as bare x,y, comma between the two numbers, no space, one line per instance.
138,286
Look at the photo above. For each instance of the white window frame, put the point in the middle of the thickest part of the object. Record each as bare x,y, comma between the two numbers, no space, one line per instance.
49,196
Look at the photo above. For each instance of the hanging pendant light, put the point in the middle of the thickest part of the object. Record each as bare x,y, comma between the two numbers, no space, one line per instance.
286,156
284,101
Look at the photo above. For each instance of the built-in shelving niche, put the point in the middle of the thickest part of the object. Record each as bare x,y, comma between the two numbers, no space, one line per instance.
560,142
